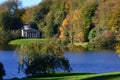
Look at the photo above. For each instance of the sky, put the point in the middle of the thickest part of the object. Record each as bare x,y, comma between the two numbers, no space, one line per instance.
26,3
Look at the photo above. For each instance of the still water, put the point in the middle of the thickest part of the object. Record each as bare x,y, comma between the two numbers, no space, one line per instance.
94,62
88,62
9,61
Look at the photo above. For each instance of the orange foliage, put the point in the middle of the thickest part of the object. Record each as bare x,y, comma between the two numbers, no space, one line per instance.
67,5
65,22
63,29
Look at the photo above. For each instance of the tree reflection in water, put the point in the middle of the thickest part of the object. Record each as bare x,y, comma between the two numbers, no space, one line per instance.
2,71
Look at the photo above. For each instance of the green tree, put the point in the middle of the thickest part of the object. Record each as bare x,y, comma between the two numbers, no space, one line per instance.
4,37
87,12
35,58
5,21
92,34
28,17
10,13
36,13
49,32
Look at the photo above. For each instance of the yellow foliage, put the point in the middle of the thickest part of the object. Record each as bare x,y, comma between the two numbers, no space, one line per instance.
67,5
76,15
118,48
28,15
80,35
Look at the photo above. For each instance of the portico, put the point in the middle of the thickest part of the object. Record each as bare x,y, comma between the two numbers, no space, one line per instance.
29,32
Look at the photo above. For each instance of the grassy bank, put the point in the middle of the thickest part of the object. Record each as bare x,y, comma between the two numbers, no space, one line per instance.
25,41
83,44
79,76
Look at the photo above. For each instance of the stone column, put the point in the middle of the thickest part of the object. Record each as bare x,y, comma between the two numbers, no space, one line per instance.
32,34
29,34
35,34
26,35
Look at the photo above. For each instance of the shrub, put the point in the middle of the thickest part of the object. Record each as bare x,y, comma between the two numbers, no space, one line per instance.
15,34
101,41
4,37
118,47
91,34
65,42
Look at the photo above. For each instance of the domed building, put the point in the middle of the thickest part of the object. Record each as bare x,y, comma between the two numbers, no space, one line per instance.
28,32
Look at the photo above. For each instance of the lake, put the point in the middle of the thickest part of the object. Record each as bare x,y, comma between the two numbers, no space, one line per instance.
84,62
94,62
9,60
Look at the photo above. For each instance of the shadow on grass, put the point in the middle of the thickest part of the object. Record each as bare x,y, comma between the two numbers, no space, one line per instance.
104,77
50,75
58,75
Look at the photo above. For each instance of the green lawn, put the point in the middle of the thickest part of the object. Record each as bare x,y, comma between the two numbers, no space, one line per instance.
83,44
80,76
25,41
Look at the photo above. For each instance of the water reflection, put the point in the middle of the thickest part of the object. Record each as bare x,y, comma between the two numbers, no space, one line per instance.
9,61
2,71
88,62
7,47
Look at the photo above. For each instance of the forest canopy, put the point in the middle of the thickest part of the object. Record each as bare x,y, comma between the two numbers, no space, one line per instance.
94,21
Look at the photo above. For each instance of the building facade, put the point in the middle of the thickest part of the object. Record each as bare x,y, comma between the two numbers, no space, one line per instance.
28,32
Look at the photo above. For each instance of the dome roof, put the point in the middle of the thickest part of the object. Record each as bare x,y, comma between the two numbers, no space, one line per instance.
27,27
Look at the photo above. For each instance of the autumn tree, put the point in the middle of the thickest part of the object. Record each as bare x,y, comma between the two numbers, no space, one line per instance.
78,21
63,30
117,46
102,21
28,15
